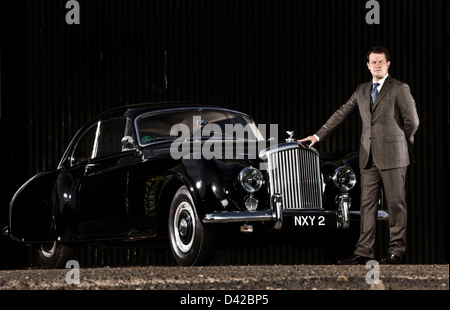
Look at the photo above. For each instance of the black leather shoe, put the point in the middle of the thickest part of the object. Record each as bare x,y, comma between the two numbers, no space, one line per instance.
391,259
354,260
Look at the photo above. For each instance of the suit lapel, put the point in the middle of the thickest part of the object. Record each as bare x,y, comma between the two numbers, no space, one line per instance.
386,86
366,95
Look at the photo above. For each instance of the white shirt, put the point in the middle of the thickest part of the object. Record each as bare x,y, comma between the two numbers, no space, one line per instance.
381,82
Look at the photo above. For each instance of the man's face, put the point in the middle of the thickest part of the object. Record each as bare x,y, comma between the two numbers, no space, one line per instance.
378,66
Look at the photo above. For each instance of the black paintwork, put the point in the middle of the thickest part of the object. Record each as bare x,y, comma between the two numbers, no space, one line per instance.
127,195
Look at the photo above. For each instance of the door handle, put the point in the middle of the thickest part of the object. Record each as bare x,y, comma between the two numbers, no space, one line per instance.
90,167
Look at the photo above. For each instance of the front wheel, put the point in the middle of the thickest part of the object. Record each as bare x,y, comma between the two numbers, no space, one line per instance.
190,242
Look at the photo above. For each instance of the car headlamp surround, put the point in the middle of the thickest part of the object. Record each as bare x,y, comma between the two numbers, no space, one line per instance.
344,178
251,179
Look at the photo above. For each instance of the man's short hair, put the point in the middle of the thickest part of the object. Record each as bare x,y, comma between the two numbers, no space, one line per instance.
378,49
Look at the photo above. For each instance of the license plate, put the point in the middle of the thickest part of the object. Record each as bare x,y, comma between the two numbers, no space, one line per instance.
310,221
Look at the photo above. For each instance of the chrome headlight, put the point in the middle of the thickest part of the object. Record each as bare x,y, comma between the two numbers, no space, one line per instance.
344,178
251,179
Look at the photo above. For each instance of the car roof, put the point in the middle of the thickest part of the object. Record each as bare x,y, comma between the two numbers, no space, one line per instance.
137,109
133,111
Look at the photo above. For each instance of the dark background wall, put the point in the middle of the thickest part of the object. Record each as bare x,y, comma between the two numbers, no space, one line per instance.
286,62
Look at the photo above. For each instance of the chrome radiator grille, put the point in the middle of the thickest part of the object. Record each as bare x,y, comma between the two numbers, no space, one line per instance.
295,174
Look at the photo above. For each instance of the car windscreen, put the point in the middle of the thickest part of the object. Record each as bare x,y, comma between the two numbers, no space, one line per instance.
209,124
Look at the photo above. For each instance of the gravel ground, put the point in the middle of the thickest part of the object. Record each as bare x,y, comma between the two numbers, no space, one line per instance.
269,286
276,277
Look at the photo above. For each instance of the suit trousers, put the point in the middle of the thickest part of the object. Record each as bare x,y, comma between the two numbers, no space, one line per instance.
393,181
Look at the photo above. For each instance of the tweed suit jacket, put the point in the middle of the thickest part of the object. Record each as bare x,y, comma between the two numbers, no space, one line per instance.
388,127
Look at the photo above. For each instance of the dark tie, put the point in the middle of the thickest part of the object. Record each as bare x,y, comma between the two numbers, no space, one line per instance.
374,92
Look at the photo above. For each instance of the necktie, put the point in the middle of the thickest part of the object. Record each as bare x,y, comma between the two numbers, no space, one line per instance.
374,92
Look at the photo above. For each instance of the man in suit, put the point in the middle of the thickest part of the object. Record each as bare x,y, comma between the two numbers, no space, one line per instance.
389,122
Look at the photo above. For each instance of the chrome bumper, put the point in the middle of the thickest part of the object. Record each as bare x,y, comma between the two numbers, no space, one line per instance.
275,215
381,215
344,202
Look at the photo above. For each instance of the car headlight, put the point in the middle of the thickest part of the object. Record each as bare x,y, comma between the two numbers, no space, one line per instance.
344,178
251,179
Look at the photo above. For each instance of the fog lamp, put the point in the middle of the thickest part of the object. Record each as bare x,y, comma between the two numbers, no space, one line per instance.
251,203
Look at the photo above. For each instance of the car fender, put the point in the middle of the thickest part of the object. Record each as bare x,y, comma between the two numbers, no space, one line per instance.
329,163
208,182
214,183
30,213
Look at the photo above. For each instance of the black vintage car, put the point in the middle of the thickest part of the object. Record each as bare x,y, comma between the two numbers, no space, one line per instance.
183,171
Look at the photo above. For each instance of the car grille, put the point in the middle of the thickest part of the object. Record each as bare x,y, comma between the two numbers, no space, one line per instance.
295,174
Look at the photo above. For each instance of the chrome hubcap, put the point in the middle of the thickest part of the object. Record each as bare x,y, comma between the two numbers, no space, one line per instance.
48,249
184,226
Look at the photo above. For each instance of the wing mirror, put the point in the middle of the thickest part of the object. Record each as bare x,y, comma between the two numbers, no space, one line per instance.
128,143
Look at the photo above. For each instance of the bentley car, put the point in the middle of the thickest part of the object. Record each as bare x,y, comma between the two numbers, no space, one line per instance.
182,172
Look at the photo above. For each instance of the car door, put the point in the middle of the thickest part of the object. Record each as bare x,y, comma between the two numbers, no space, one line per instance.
102,203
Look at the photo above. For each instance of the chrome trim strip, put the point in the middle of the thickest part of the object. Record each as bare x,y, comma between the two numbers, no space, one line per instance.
278,206
239,216
344,203
263,154
250,216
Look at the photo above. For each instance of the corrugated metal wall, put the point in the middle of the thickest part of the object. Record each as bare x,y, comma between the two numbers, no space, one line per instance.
286,62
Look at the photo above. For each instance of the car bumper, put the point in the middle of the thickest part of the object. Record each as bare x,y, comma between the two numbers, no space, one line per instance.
299,218
275,215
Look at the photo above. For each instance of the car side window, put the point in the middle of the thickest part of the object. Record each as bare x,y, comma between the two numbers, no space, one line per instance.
110,136
101,139
85,146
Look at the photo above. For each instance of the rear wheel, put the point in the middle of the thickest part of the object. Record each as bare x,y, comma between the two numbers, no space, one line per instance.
190,242
53,254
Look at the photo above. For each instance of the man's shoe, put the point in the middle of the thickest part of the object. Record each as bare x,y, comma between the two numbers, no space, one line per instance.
354,260
391,259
